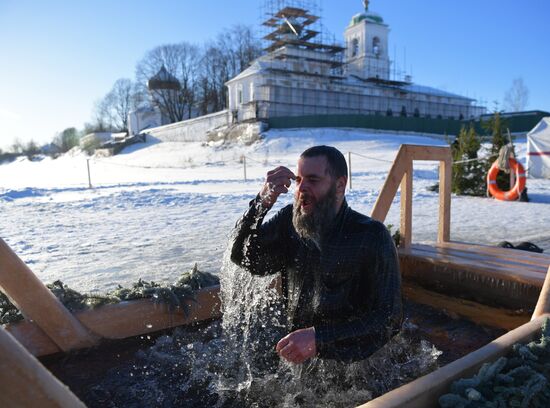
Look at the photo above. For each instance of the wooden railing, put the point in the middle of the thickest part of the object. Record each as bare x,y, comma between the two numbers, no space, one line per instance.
401,174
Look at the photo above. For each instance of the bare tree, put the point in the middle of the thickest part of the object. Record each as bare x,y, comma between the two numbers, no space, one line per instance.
232,52
516,98
111,112
181,61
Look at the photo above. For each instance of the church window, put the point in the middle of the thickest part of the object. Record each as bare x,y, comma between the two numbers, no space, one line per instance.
376,45
354,47
240,95
252,91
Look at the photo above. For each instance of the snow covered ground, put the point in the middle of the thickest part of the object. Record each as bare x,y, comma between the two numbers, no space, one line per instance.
157,208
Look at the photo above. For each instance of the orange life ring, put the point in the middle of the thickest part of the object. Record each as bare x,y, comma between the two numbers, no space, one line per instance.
515,192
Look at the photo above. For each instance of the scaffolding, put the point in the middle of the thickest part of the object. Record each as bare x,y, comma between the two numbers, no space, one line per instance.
299,24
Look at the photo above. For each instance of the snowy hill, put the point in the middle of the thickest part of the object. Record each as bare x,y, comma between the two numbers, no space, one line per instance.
156,209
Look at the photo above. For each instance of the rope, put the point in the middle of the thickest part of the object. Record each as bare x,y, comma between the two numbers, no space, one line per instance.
372,158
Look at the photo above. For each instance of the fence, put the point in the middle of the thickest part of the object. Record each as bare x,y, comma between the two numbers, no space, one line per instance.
246,159
519,123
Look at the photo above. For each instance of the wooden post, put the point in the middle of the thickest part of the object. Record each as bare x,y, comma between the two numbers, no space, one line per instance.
349,169
244,166
26,383
89,178
37,303
543,304
387,193
406,206
445,180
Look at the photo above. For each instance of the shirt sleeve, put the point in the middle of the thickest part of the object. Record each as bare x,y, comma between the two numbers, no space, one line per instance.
258,247
373,326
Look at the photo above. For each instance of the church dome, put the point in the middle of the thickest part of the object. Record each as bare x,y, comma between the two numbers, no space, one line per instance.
369,16
163,80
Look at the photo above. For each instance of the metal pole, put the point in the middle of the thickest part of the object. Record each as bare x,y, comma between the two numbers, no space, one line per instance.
89,178
244,166
349,169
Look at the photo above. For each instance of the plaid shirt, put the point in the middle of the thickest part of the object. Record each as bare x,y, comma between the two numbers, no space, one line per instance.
349,289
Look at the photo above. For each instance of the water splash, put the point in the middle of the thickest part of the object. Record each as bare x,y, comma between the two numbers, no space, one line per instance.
233,363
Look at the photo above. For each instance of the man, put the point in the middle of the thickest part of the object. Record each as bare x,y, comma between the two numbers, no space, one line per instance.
339,268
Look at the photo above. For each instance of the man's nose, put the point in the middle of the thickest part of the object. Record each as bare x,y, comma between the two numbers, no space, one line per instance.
301,187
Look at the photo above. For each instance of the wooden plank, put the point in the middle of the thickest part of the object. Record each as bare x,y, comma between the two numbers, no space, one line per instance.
445,180
467,283
504,255
424,392
127,319
38,303
123,320
25,383
429,251
33,338
533,257
406,206
543,304
476,312
480,268
422,152
387,193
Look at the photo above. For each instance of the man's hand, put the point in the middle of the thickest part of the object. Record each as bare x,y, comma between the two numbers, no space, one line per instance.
298,346
277,182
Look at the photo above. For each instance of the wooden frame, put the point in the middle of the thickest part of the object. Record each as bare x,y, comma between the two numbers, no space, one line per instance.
401,174
424,392
26,383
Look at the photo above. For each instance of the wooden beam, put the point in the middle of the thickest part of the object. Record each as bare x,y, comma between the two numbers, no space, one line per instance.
476,312
445,180
405,228
38,303
425,391
543,304
421,152
387,193
123,320
526,257
25,383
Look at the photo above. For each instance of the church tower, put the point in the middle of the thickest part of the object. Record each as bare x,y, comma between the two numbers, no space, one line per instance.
367,46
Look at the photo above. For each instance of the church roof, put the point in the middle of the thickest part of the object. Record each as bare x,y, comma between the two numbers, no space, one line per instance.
369,16
163,80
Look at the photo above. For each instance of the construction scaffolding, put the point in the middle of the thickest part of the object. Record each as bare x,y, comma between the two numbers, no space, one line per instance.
299,23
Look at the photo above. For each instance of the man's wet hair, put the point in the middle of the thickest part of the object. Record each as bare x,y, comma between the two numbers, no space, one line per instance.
337,166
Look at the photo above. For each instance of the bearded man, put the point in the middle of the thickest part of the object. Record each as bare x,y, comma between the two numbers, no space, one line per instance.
339,268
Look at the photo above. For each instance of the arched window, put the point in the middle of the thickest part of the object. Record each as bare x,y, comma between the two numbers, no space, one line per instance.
354,47
376,46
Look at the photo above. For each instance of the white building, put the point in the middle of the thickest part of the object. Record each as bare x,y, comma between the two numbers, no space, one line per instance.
300,77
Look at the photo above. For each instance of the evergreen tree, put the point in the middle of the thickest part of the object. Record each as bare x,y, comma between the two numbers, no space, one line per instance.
495,126
468,173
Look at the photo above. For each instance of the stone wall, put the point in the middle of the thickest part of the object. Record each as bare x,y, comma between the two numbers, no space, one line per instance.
192,130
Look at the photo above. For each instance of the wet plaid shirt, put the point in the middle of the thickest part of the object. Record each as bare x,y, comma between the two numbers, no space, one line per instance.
349,289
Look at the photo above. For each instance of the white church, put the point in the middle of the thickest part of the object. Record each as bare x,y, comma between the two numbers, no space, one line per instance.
302,75
299,76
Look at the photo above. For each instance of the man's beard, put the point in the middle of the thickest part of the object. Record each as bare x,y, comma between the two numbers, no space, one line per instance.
312,226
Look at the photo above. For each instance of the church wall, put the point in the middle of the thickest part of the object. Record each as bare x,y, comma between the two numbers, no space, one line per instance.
192,130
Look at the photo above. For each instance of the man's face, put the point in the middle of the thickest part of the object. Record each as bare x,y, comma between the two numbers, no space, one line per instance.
313,182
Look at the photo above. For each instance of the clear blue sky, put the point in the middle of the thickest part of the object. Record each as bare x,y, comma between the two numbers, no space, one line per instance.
59,57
